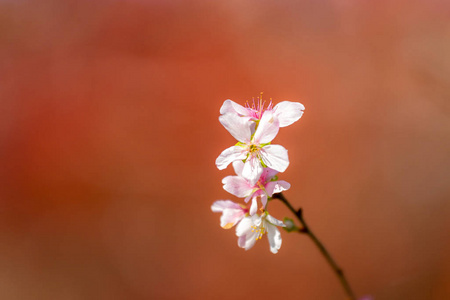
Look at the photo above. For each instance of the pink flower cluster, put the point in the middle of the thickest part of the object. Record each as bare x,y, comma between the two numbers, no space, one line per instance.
256,163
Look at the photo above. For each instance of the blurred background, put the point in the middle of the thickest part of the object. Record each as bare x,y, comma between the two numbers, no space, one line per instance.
109,132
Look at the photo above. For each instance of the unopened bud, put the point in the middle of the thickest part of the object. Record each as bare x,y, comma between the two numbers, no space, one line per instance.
290,225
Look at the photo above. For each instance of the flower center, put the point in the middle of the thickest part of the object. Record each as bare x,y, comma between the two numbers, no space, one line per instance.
253,148
253,151
261,230
257,109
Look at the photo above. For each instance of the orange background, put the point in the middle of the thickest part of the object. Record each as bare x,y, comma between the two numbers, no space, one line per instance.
109,132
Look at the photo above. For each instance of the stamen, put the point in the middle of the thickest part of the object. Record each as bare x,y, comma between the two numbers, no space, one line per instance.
261,105
256,109
269,107
260,231
253,148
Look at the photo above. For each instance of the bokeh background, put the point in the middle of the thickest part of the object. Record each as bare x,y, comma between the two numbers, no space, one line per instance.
109,132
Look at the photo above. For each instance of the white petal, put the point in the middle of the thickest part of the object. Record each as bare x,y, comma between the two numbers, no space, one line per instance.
229,155
244,227
252,170
238,165
250,240
274,237
274,221
220,205
288,112
267,129
274,187
230,106
241,241
244,230
238,127
253,207
275,157
237,186
256,219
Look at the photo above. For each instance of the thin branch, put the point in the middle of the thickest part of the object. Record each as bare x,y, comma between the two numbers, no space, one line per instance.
306,230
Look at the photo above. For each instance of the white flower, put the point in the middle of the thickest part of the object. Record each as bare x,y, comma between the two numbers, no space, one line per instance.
255,148
286,112
265,187
232,212
251,229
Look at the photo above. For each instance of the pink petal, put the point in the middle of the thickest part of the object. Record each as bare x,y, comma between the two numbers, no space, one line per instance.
288,112
264,200
274,187
268,174
230,106
267,129
239,128
229,155
237,186
281,186
275,157
220,205
231,217
248,198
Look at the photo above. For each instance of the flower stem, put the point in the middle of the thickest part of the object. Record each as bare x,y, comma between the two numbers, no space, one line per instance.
337,270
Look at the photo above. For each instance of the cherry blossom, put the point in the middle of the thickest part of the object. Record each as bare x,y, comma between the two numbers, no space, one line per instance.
252,228
255,149
267,185
256,163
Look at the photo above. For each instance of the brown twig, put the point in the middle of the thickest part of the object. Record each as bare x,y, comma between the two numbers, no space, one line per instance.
306,230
